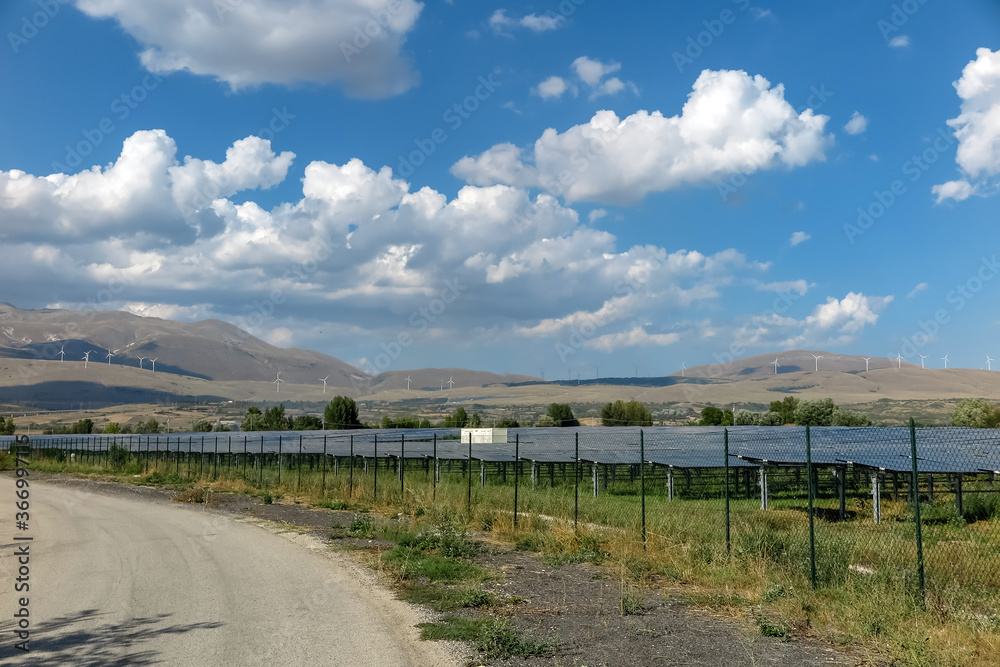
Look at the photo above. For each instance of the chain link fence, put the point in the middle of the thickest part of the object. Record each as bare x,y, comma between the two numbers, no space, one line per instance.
911,514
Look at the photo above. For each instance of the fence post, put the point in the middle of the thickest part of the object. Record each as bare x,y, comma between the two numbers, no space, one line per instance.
811,492
916,513
375,470
322,488
189,457
729,543
468,502
350,477
261,463
215,462
201,461
279,463
642,482
402,465
298,483
434,474
576,482
517,471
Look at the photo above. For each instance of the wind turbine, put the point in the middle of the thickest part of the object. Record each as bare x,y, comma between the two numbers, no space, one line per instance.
924,356
899,360
867,359
637,371
153,361
776,365
597,372
110,354
277,383
323,380
86,357
140,362
407,383
451,383
988,360
683,368
945,358
817,359
62,353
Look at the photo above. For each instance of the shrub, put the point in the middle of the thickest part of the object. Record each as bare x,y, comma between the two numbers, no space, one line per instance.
976,413
621,413
562,415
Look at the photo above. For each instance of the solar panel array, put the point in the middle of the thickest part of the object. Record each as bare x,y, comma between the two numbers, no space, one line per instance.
941,450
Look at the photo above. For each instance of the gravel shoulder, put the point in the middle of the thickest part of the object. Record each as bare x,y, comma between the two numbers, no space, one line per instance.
573,607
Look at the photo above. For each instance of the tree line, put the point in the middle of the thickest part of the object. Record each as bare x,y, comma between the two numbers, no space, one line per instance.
790,410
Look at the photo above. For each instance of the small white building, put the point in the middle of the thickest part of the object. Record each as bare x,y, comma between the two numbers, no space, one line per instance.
485,436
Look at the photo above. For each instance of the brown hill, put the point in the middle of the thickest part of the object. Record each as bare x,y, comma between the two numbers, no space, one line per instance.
210,350
792,361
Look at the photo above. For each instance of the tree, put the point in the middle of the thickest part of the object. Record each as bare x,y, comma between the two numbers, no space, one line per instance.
425,423
815,413
786,408
457,420
843,417
562,415
751,418
342,412
7,426
202,426
507,422
253,420
112,427
275,419
148,426
219,427
545,421
711,416
307,423
976,413
83,426
620,413
476,421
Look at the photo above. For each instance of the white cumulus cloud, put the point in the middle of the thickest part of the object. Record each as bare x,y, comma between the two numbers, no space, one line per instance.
502,24
857,124
798,237
356,44
731,123
977,129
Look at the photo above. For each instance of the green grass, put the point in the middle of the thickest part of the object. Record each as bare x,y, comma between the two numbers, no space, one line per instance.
494,638
867,586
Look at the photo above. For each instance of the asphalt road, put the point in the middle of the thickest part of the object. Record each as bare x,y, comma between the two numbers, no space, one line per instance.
118,581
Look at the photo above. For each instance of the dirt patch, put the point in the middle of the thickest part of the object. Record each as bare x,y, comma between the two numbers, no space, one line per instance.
579,608
576,608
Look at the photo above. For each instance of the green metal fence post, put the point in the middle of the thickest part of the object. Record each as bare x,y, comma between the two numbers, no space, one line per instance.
260,464
298,483
375,469
322,488
402,464
916,513
434,473
642,482
725,463
517,471
576,482
279,462
811,493
350,478
468,502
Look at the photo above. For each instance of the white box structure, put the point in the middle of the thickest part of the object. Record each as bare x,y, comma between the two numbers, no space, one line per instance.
485,436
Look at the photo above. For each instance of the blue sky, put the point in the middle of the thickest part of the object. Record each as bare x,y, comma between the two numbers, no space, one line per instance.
652,185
